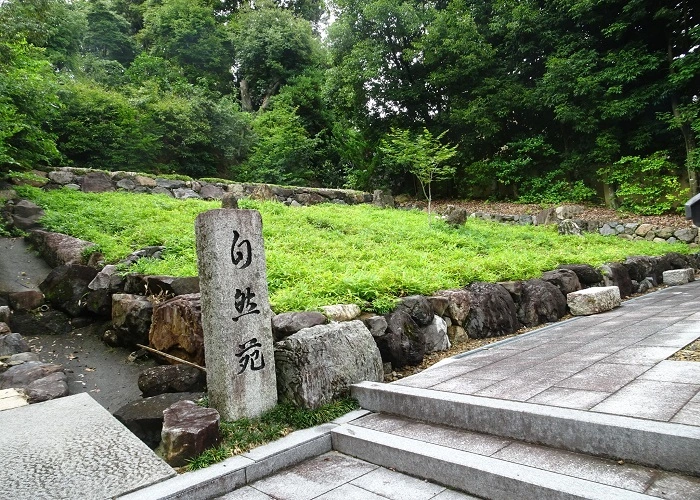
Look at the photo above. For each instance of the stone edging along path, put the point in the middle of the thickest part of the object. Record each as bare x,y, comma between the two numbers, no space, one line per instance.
98,181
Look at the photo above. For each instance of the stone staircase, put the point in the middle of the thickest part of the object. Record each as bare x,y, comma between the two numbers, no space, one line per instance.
500,449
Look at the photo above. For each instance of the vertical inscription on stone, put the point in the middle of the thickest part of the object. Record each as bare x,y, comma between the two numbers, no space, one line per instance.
236,313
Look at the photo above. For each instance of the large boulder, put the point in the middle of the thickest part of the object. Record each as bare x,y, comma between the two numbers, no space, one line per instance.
144,417
455,216
24,214
96,182
419,308
458,305
565,280
52,386
58,249
286,324
67,286
12,343
318,364
540,302
188,430
493,312
616,274
131,318
403,343
586,274
177,328
171,378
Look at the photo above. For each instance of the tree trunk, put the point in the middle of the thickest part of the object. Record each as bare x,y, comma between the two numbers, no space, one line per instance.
270,92
246,100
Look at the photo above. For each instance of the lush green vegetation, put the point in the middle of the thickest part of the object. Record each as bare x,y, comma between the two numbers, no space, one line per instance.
326,254
545,100
245,434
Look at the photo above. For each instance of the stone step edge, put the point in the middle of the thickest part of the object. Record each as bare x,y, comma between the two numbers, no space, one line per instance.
235,472
471,473
671,447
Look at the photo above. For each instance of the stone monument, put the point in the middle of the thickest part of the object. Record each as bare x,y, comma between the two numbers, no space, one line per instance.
236,315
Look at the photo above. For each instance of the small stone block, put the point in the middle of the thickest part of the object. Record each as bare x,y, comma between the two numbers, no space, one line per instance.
593,300
188,430
675,277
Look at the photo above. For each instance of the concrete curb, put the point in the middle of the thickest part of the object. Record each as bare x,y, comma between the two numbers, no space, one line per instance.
672,447
475,474
221,478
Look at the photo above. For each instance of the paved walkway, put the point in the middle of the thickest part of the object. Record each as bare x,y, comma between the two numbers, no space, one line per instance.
615,362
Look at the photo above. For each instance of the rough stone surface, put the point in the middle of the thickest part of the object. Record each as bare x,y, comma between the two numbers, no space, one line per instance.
62,177
514,288
131,318
541,302
58,249
171,378
12,343
439,304
404,341
546,216
5,313
435,334
229,200
320,363
236,314
144,417
24,214
38,322
171,286
66,287
376,325
675,277
593,300
686,235
188,430
211,192
286,324
419,308
52,386
616,274
342,312
564,279
455,216
4,328
25,301
644,229
587,275
96,182
639,267
21,376
383,200
493,312
568,211
459,303
568,227
176,328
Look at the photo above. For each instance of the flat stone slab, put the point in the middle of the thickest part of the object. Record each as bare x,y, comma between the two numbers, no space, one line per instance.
72,447
593,300
675,277
11,398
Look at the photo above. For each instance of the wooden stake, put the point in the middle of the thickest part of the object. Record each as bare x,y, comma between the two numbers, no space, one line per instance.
170,356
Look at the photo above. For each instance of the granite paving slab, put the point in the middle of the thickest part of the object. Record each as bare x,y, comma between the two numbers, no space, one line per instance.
72,448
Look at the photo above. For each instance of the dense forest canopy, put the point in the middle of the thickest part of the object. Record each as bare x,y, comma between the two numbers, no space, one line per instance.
541,100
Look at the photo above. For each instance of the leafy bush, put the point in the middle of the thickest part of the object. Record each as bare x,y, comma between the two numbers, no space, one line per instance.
646,185
551,188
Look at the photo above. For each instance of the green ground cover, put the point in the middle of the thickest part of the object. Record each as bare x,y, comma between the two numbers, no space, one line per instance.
327,254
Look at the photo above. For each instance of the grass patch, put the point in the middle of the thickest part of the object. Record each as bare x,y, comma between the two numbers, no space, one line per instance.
326,254
245,434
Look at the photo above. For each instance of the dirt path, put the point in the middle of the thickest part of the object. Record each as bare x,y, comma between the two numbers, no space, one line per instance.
91,366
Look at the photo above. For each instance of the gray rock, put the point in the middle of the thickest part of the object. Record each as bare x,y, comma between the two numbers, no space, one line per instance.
187,431
665,232
674,277
439,304
286,324
229,200
404,341
419,308
568,227
58,249
493,312
38,322
5,314
96,182
459,303
565,280
4,328
171,286
20,376
62,177
456,333
644,229
376,325
144,417
607,230
615,274
176,328
686,235
126,184
23,357
587,275
211,192
342,312
72,186
540,302
568,211
593,300
25,214
50,387
171,378
639,267
435,334
382,200
25,301
455,216
66,286
185,194
12,343
169,183
318,364
162,190
131,318
546,216
514,288
645,285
